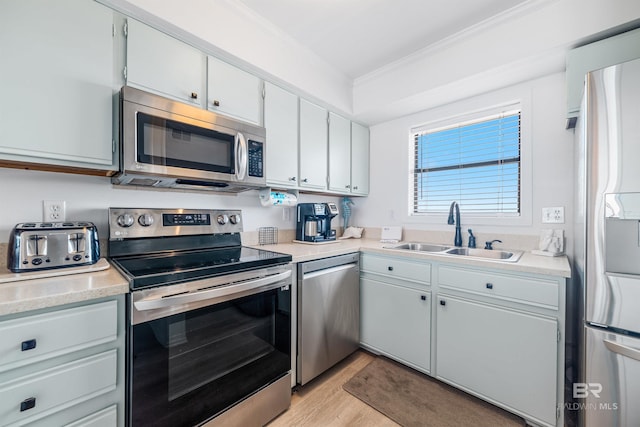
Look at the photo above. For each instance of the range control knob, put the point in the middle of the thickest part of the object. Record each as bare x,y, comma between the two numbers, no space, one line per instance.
235,219
125,220
222,219
145,220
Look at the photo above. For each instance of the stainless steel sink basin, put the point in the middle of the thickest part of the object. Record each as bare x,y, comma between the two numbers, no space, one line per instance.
509,256
420,247
495,255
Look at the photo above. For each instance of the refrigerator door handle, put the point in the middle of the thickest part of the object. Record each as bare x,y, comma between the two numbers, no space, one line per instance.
623,350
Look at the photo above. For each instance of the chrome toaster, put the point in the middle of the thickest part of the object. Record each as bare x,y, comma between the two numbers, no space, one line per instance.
45,245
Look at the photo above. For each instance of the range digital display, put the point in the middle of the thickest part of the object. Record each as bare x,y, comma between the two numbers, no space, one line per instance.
186,219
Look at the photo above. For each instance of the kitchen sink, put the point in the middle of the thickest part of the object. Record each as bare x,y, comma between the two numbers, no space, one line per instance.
496,255
420,247
509,256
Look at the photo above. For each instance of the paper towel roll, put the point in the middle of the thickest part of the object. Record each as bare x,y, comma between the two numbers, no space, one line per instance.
277,198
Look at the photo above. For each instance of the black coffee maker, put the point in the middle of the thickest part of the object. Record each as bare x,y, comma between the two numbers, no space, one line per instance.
314,222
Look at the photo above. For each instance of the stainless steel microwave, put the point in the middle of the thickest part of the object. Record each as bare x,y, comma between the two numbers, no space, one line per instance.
168,144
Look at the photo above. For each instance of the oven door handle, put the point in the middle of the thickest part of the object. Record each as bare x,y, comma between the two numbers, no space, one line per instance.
223,293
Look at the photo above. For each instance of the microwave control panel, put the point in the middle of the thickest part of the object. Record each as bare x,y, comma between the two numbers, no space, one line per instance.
256,159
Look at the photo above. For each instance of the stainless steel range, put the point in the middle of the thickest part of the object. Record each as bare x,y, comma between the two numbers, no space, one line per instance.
209,321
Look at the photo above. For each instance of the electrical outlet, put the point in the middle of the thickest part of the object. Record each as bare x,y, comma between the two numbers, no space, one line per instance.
53,210
553,215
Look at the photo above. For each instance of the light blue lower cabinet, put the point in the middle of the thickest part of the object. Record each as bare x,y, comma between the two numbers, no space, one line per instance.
503,355
396,321
46,384
395,309
492,332
501,336
107,417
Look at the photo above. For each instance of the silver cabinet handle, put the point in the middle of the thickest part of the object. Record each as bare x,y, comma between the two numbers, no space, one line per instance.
305,180
624,350
293,178
249,287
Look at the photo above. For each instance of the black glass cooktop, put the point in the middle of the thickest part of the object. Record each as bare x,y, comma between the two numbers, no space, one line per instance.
174,267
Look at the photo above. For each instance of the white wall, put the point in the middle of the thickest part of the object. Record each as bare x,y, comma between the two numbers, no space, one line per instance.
551,161
88,199
526,43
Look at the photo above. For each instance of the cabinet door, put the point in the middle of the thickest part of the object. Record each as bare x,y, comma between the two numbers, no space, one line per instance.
313,146
396,321
507,356
281,123
162,64
359,159
233,91
57,83
339,154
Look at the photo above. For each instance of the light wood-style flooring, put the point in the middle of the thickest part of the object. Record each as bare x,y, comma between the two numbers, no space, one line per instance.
323,402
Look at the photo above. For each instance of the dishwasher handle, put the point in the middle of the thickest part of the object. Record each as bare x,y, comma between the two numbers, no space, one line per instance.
329,270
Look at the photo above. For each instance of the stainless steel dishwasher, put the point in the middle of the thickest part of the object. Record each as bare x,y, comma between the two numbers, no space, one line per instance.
328,313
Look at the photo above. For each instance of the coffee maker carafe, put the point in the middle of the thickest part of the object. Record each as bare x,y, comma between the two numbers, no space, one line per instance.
314,222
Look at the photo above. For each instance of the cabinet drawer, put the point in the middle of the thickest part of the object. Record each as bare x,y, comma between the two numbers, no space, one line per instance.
394,267
35,338
58,388
504,286
107,417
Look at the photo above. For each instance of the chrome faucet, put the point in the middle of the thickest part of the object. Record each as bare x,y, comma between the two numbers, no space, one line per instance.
457,241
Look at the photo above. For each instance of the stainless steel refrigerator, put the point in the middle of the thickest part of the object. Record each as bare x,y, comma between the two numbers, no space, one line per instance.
607,250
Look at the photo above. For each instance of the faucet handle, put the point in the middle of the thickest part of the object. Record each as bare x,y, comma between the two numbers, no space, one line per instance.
472,239
488,245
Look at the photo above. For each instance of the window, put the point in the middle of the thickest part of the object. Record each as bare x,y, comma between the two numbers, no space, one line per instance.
476,163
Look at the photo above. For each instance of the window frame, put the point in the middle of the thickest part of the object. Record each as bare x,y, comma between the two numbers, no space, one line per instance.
523,104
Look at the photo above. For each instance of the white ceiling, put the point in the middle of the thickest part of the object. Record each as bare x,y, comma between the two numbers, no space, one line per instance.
360,36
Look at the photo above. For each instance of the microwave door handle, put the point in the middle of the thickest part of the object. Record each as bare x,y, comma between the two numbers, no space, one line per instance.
241,156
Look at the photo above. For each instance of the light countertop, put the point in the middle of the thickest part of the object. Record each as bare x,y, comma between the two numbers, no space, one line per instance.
20,294
31,291
528,263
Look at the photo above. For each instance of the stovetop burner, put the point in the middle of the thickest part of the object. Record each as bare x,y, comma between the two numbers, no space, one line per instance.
159,247
171,267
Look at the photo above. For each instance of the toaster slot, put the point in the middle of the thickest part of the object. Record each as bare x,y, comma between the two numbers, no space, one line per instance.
76,243
36,245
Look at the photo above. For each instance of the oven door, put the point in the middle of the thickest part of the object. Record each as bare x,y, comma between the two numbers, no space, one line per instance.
188,366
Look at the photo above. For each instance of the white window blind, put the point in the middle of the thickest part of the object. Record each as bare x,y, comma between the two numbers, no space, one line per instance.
476,163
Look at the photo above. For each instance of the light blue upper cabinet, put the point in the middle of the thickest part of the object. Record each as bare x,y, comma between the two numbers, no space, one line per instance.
281,123
159,63
233,91
359,159
339,153
313,146
57,85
